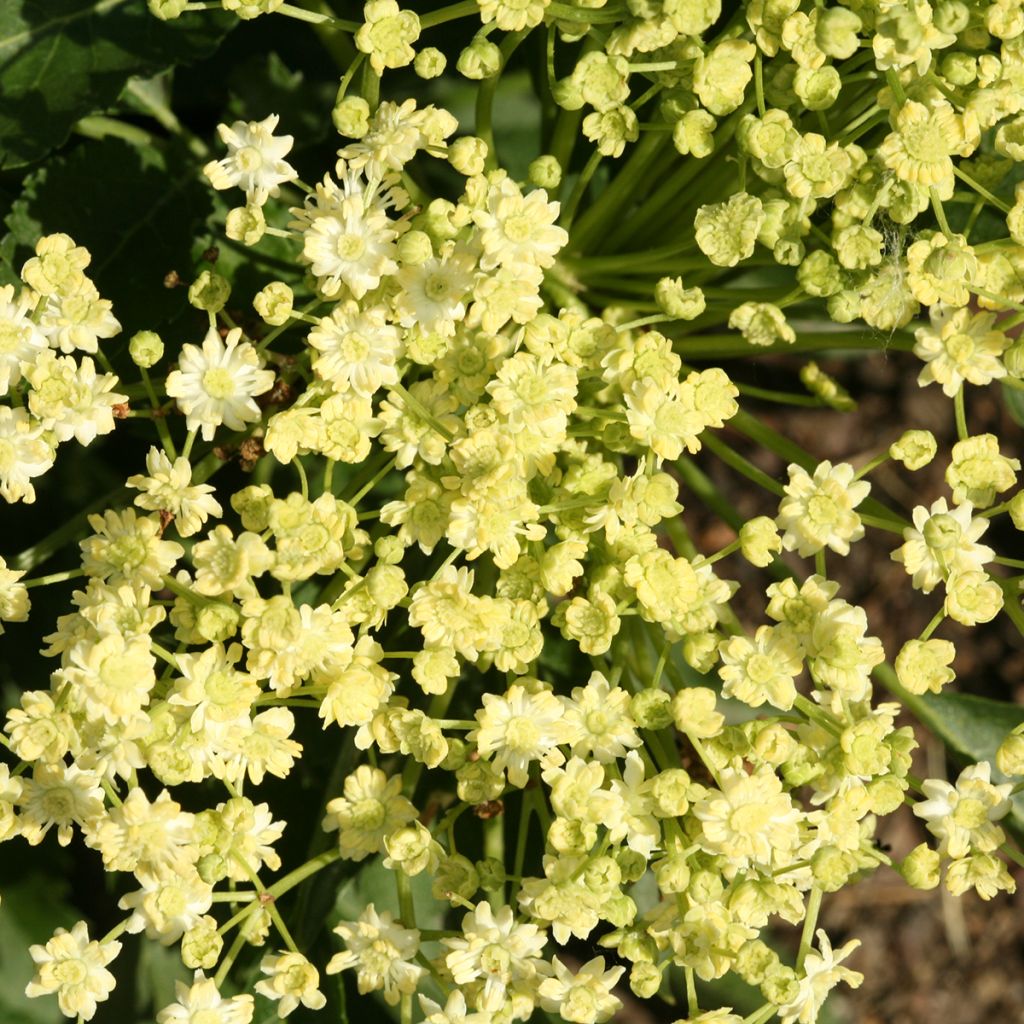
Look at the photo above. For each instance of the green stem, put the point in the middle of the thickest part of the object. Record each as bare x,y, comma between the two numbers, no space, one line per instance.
810,920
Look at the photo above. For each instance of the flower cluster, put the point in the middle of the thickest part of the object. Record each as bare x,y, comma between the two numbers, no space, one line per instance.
473,444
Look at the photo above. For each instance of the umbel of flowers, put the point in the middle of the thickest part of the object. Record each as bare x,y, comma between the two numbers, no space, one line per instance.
472,428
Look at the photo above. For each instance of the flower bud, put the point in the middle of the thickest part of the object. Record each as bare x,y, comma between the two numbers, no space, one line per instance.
481,59
209,291
146,349
274,303
920,867
245,224
645,979
915,449
759,541
455,876
676,301
430,62
1010,755
167,10
415,248
650,709
468,155
545,172
693,710
351,117
492,874
201,945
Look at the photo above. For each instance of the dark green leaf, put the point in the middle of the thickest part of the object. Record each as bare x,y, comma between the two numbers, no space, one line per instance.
1014,399
136,209
62,59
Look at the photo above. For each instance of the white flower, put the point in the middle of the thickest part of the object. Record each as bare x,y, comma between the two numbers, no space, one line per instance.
963,817
356,348
498,951
817,512
293,980
21,341
167,487
585,997
255,160
521,727
72,399
599,717
201,1003
821,974
23,454
166,907
348,237
382,952
78,319
433,295
517,229
943,542
218,383
75,968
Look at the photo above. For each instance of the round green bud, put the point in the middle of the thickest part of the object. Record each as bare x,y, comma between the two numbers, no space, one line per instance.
545,172
478,782
819,274
818,88
415,248
951,16
959,69
631,864
651,709
245,224
915,449
781,985
436,220
920,868
672,873
754,961
700,651
638,947
388,549
212,868
705,886
217,622
1013,359
458,750
1010,755
670,790
167,10
760,541
430,62
492,874
836,32
146,349
481,59
201,945
1016,510
468,155
844,306
831,868
209,291
885,795
774,744
274,303
618,910
676,301
693,710
455,877
351,117
645,979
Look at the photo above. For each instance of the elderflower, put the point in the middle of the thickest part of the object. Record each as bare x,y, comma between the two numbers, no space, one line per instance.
255,162
217,383
818,511
960,346
74,968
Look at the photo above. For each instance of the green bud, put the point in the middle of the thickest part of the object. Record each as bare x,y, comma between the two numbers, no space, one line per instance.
415,248
780,986
831,868
545,172
672,873
676,301
430,62
915,449
167,10
492,874
633,865
618,910
1010,755
201,945
217,622
274,303
920,867
645,979
1016,510
245,224
146,349
651,709
481,59
455,876
468,155
212,868
754,961
351,117
209,291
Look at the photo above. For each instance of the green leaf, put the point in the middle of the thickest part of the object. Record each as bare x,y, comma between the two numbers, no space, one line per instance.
1014,399
973,727
62,59
136,209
